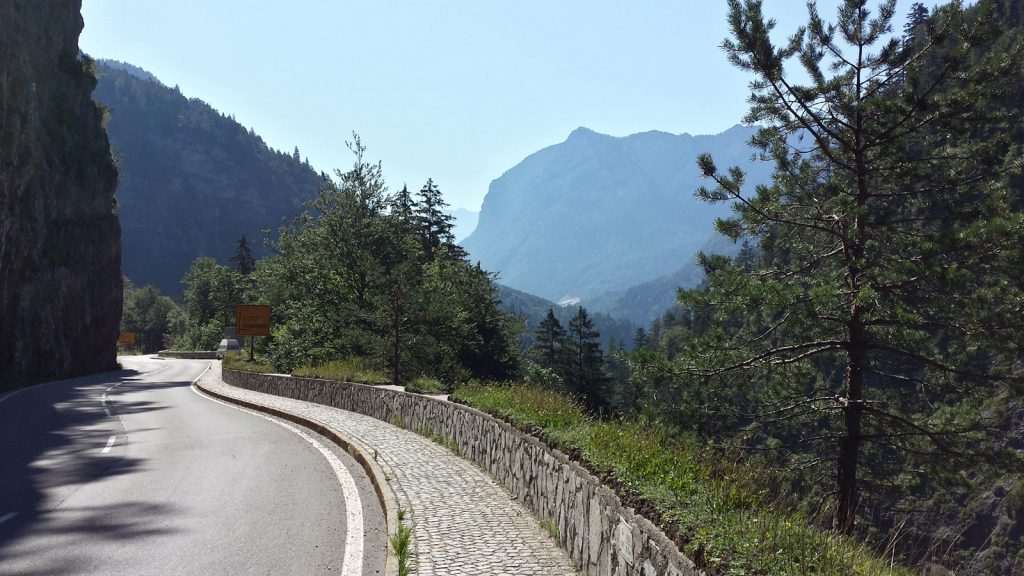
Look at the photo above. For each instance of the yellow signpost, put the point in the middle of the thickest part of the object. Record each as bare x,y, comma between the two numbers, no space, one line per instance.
126,338
252,320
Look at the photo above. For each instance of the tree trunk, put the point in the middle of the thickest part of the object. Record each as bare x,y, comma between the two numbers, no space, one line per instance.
849,443
397,327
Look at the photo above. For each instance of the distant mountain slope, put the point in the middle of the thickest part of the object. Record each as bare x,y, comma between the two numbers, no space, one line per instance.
192,180
598,213
465,222
534,309
645,302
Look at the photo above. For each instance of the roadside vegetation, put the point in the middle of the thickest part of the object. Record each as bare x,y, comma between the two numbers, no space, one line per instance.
725,516
348,370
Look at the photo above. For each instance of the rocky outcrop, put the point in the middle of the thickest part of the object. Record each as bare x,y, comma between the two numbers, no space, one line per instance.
60,250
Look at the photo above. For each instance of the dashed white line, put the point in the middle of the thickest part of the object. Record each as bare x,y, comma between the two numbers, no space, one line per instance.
352,563
7,517
110,444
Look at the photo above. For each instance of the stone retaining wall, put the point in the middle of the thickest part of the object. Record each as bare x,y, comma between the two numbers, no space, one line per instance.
188,354
601,536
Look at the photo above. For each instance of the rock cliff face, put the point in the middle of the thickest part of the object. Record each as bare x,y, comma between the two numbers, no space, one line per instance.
60,250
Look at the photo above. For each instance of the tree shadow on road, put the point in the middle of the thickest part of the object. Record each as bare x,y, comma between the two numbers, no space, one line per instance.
52,440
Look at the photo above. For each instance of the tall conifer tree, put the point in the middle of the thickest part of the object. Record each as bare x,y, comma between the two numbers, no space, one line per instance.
548,341
886,308
583,367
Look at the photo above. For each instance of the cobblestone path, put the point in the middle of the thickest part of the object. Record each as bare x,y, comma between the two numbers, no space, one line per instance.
464,523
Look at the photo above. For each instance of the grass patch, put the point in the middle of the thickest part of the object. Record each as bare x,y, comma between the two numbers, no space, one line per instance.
348,370
721,513
401,544
425,385
236,361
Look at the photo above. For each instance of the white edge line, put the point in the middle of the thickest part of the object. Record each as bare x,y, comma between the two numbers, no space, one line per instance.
7,517
14,393
352,564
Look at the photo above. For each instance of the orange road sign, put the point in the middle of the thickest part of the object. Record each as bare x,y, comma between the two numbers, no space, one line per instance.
126,338
251,320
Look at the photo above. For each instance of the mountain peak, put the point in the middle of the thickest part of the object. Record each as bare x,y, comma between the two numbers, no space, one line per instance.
584,132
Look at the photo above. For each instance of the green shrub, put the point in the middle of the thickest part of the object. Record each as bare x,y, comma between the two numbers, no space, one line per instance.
236,361
426,385
347,370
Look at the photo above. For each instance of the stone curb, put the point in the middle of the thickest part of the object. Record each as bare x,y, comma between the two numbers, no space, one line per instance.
188,354
385,496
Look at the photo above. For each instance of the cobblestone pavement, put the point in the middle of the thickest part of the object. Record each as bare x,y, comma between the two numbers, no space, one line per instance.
464,523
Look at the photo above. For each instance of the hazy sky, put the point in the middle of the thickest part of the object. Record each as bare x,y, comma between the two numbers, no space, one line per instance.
458,91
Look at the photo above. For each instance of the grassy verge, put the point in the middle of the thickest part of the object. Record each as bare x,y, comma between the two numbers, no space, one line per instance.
426,385
721,513
348,370
236,361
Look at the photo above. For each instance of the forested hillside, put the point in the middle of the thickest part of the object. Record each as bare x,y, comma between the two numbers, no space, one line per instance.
193,181
615,332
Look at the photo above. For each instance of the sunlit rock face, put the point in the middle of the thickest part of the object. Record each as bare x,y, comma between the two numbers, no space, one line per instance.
60,248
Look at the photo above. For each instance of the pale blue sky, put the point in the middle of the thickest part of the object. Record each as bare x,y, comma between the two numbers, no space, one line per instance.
459,91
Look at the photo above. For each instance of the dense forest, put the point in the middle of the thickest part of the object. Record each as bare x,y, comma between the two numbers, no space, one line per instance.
860,345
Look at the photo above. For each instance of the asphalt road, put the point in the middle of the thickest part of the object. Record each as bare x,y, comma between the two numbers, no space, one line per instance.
134,472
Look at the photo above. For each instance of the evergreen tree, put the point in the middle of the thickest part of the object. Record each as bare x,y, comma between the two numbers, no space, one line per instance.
548,341
883,314
640,339
583,367
913,29
350,279
434,224
243,260
403,207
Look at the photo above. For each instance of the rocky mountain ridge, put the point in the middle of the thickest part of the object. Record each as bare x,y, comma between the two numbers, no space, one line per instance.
598,213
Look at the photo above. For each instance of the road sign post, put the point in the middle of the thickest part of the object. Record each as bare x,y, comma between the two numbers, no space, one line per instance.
252,320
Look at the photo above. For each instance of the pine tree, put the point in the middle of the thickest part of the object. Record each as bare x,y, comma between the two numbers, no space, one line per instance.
548,341
583,368
640,339
886,304
403,207
434,224
243,260
913,28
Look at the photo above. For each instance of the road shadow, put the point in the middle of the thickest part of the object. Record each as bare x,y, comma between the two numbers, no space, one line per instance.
52,439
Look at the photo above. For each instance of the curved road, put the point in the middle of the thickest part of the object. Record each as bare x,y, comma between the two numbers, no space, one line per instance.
134,472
